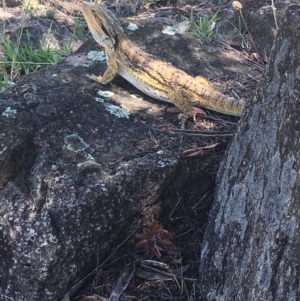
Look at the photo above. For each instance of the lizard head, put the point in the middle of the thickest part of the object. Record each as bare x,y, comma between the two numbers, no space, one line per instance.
102,23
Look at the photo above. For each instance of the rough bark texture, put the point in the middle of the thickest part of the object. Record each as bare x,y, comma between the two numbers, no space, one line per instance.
252,244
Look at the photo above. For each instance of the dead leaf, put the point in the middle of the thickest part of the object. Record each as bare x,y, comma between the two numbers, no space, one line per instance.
155,263
123,282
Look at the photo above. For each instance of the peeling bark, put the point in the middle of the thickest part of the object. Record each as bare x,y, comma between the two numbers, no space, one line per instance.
251,247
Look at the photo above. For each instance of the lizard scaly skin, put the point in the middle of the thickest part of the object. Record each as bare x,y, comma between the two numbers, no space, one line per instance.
151,76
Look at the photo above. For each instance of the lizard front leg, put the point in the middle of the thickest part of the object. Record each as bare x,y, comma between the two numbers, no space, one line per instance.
109,74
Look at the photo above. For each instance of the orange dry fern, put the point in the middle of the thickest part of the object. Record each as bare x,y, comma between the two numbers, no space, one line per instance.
154,239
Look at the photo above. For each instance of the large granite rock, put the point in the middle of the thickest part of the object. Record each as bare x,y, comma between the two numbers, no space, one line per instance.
76,171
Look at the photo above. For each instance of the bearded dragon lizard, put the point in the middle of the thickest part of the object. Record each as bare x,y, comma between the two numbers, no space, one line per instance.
151,76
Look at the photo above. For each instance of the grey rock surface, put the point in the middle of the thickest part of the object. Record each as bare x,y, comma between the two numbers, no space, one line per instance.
78,168
70,181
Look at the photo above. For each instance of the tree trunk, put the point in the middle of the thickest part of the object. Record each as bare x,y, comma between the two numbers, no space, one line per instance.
251,248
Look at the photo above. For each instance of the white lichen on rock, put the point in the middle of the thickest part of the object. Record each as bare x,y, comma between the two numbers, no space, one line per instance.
75,143
171,31
105,93
90,157
9,112
132,27
98,99
163,162
117,111
89,165
96,55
